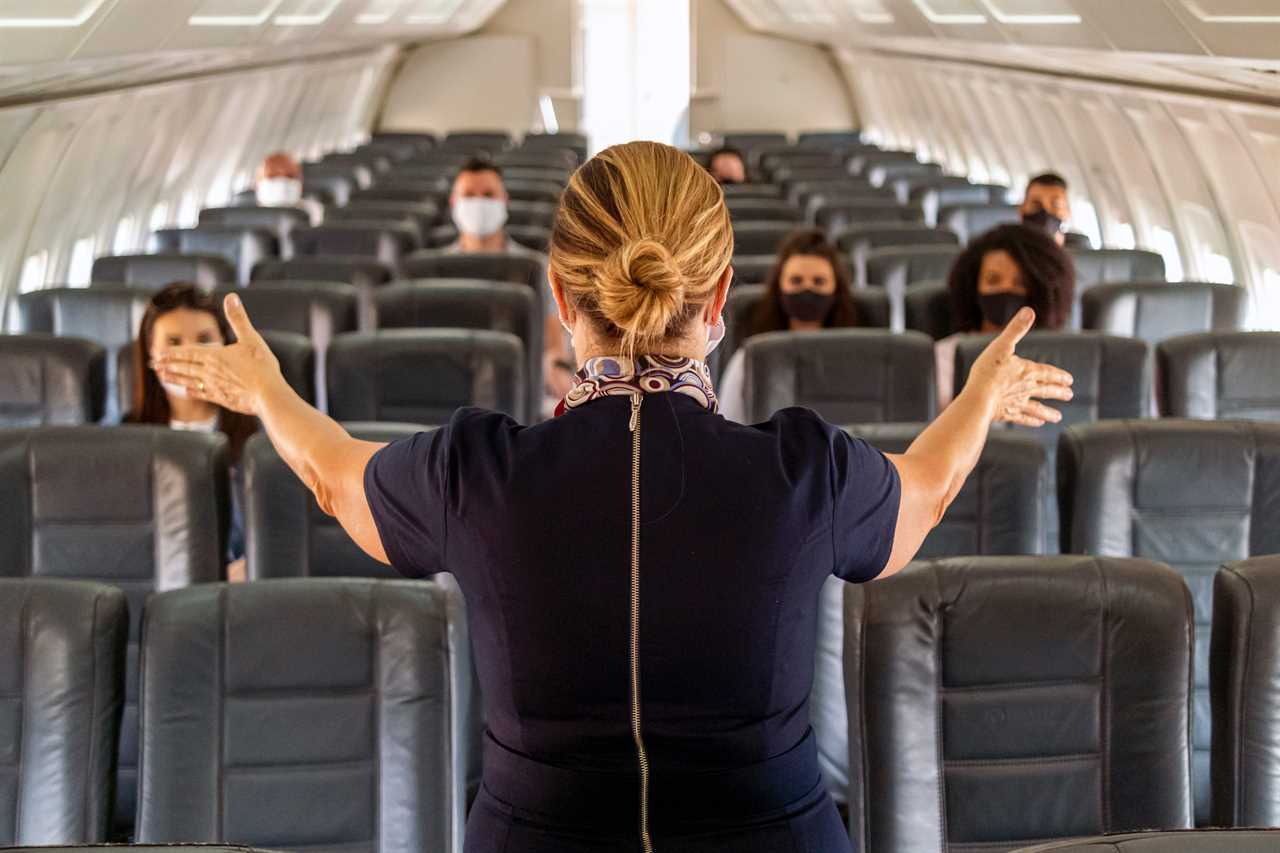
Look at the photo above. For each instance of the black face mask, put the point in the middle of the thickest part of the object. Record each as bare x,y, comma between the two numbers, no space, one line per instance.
999,308
1043,220
808,306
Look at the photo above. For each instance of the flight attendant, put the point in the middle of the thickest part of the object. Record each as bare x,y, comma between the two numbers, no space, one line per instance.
641,574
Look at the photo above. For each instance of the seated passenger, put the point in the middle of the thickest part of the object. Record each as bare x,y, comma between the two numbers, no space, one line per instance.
1046,205
807,290
999,272
183,315
279,184
728,166
478,204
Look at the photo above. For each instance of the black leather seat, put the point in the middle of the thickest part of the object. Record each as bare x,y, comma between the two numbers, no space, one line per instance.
141,508
400,190
423,376
62,674
517,269
846,375
421,216
541,192
1156,310
1104,266
1220,375
995,702
834,214
278,220
1244,669
1191,494
300,714
47,380
752,190
878,235
491,141
897,267
108,316
861,162
1000,510
150,848
1186,841
745,140
384,241
154,272
364,274
752,269
240,245
760,239
970,220
927,308
466,304
762,210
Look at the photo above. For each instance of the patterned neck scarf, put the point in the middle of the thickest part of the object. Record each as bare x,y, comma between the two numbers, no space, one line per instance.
609,376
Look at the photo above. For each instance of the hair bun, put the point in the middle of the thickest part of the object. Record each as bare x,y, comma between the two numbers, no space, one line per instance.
642,289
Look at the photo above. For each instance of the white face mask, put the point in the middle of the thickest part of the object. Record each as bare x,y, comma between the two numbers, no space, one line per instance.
715,334
479,217
279,192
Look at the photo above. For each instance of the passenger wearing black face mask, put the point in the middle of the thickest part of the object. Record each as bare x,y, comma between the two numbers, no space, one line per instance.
1046,205
807,290
727,166
997,274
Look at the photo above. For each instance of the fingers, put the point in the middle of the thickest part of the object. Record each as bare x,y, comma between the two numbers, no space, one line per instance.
1047,374
1045,414
1017,329
239,320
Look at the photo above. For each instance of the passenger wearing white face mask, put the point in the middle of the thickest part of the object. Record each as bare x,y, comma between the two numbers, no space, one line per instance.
478,205
279,184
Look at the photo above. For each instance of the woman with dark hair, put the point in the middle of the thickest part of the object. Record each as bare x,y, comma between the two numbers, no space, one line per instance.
997,274
183,315
807,290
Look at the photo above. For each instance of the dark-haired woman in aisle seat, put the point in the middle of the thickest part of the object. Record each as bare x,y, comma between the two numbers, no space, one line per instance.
184,315
997,274
808,290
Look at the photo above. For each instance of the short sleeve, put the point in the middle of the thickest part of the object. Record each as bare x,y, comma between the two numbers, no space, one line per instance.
865,495
404,484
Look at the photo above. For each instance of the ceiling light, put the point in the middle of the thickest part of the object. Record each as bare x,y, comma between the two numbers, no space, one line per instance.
949,18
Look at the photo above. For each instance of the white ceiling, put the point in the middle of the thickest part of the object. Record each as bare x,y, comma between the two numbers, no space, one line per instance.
54,47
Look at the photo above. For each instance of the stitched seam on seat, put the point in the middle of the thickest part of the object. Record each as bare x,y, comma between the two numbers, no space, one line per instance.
1238,807
939,745
221,723
1021,685
1104,788
1077,758
374,626
23,624
298,766
863,805
88,831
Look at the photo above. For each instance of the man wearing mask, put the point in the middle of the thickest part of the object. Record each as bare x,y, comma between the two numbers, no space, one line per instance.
728,166
279,184
1046,206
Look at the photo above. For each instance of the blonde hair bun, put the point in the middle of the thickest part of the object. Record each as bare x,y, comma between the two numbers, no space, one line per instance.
641,289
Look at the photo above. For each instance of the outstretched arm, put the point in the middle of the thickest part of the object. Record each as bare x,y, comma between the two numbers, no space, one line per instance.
1001,387
245,377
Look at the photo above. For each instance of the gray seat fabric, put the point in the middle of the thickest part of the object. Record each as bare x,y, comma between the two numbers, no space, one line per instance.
154,272
422,215
492,141
517,269
927,308
970,220
753,269
995,702
760,238
359,272
896,267
109,316
845,375
1220,375
261,729
1186,841
762,210
387,242
62,672
543,192
412,191
998,511
1191,494
278,220
1244,669
754,190
141,508
423,376
744,140
46,380
1156,310
861,162
878,235
240,245
466,304
1104,266
834,214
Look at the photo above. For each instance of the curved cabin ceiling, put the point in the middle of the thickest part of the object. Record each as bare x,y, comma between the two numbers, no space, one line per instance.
58,47
1230,46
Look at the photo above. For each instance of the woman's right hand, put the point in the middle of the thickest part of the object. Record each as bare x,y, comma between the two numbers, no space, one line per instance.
237,377
1016,386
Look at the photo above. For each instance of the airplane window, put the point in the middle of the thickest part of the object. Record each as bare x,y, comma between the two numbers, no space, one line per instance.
1121,236
1217,268
81,262
159,217
189,210
123,243
33,270
1163,241
1084,218
1266,301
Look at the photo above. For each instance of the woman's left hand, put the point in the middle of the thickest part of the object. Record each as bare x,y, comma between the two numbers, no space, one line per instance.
236,377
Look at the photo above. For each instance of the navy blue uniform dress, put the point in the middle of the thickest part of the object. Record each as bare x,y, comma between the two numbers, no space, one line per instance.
739,527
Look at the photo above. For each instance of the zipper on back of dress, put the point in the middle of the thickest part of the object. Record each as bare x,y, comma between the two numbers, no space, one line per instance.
642,756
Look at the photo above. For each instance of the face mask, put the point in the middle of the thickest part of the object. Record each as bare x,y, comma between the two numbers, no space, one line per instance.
1043,220
998,308
480,217
279,192
808,306
179,391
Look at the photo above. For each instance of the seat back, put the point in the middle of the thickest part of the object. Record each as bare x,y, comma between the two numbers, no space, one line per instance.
154,272
278,220
1220,375
871,307
845,375
320,739
759,239
1104,266
1191,494
998,701
46,380
141,508
422,216
423,376
240,245
62,672
1156,310
762,210
109,316
752,269
363,273
383,241
878,235
896,267
485,266
1244,667
970,220
466,304
835,215
927,308
1184,841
